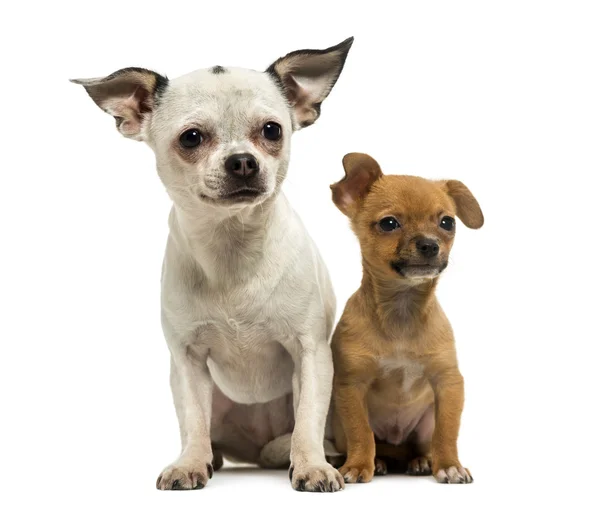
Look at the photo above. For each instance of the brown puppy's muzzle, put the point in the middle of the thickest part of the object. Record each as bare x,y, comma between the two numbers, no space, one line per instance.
427,248
423,259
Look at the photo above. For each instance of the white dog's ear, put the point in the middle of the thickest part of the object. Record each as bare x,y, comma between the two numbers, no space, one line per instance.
307,76
129,95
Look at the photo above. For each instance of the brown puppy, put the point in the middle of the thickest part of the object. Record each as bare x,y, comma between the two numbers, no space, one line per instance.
398,393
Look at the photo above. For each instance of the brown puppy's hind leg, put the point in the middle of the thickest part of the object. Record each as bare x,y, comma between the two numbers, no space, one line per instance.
380,467
409,457
419,466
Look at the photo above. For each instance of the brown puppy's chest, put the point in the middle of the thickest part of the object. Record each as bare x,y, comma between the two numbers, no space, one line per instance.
400,401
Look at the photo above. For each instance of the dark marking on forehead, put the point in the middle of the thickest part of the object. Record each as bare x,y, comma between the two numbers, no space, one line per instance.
217,69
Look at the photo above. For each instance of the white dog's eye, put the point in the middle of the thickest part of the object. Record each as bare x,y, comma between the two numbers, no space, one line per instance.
272,131
190,138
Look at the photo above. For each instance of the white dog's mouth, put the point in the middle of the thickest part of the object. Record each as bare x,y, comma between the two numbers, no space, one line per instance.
237,196
243,193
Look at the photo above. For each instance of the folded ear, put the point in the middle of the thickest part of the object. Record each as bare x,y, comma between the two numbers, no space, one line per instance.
467,207
307,76
129,95
361,172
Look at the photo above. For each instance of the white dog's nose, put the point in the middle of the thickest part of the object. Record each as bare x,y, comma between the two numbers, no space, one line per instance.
242,166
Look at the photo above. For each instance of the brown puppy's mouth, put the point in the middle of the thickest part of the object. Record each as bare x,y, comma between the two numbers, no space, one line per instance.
410,270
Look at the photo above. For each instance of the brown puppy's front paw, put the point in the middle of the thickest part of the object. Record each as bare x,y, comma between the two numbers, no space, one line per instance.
380,467
358,473
421,466
184,477
320,478
454,474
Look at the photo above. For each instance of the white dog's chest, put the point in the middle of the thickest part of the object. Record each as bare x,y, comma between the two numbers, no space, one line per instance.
238,314
251,375
245,357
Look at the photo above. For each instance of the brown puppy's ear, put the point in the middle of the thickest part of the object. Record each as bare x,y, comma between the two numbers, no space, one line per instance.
361,172
307,77
129,95
467,207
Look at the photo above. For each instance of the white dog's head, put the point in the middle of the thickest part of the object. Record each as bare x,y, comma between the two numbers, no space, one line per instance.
221,135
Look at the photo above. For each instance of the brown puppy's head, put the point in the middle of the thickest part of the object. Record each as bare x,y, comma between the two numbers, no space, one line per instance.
405,224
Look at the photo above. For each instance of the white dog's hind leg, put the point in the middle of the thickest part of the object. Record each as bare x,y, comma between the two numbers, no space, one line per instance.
309,469
192,386
276,454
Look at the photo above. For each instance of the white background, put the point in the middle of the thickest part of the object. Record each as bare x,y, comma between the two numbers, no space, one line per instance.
504,96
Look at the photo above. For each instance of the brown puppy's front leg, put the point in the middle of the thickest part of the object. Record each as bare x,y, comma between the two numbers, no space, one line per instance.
351,408
448,387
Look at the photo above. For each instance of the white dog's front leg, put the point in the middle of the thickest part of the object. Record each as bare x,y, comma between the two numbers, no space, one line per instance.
312,381
192,386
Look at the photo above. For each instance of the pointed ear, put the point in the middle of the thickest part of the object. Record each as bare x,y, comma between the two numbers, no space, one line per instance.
467,207
307,76
129,95
361,172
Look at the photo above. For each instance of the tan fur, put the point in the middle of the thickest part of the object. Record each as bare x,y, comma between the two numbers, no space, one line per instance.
396,371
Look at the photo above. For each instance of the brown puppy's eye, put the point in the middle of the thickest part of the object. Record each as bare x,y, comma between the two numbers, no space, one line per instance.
447,223
190,138
388,224
272,131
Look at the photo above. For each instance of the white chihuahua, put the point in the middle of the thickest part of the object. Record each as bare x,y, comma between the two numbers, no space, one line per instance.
247,305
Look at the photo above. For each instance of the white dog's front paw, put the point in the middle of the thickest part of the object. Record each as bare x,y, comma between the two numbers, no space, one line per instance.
317,478
185,476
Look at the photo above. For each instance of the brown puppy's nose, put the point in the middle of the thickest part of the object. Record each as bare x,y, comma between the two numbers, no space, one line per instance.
242,166
428,247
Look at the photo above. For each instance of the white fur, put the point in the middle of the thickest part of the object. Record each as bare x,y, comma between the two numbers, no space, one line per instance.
247,304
